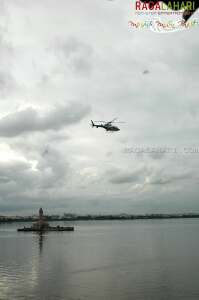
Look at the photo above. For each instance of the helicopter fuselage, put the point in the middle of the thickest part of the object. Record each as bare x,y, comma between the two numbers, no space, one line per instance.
108,127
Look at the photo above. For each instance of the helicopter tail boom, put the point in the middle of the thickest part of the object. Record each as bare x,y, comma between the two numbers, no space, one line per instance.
93,124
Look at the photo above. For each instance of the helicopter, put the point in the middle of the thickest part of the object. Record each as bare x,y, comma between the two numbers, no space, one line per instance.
107,125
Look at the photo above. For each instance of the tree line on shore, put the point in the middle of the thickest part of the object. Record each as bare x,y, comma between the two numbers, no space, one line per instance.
89,217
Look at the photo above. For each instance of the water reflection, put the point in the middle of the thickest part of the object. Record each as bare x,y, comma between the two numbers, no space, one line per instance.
41,238
138,260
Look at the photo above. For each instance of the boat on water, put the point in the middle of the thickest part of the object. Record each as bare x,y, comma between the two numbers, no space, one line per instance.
42,226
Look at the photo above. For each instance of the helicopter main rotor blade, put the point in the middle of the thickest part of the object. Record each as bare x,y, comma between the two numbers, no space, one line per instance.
101,121
109,122
112,120
118,122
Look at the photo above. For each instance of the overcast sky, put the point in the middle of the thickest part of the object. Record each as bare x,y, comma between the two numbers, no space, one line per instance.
63,63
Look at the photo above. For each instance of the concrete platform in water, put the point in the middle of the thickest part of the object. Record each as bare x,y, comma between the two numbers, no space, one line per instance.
57,228
42,226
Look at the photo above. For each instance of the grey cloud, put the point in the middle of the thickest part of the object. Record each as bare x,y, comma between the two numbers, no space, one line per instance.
123,177
7,83
53,167
75,55
159,108
30,119
146,72
149,176
15,176
163,178
19,178
157,155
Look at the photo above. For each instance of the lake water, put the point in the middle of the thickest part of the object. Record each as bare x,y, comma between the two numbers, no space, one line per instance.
150,260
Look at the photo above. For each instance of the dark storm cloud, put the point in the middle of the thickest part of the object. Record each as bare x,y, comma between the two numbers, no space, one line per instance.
30,119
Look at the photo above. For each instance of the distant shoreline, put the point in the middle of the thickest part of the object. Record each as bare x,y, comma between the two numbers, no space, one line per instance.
122,217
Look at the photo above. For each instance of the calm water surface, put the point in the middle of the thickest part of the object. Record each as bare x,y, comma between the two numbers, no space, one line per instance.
102,260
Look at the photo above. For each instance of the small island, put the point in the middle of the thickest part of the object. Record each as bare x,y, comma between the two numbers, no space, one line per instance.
42,226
